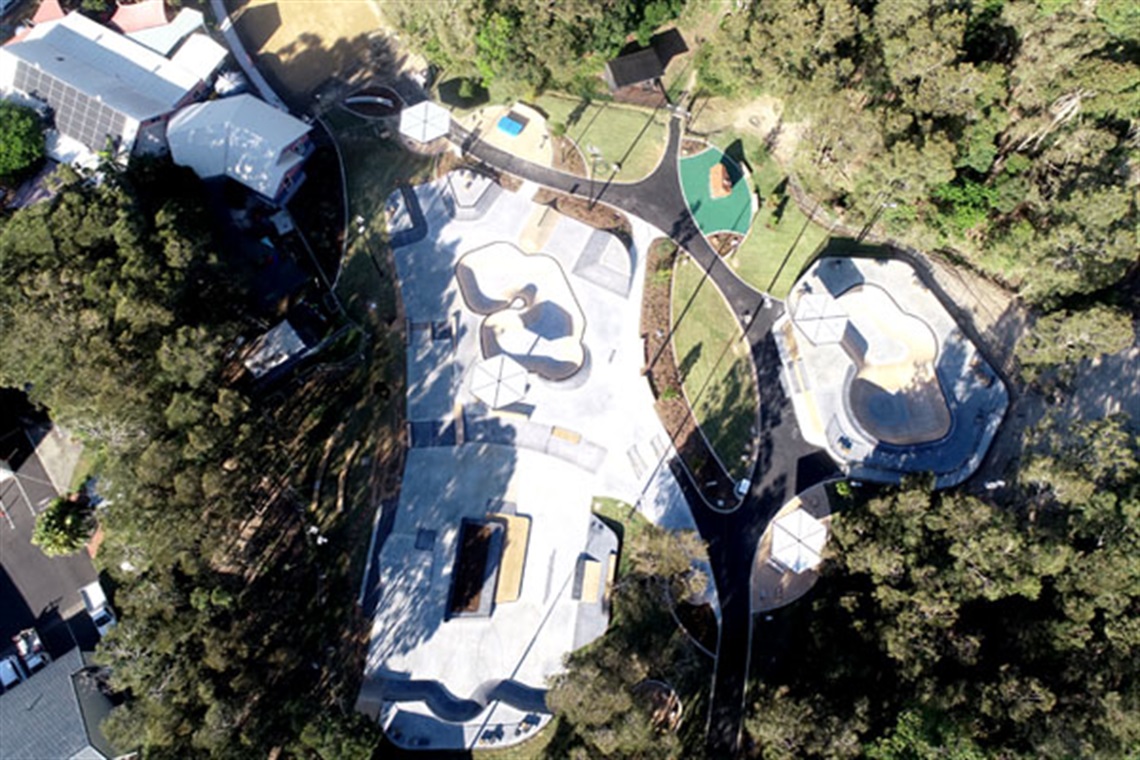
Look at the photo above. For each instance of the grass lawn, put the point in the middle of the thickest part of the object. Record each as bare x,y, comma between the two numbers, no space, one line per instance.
780,243
633,137
305,42
718,383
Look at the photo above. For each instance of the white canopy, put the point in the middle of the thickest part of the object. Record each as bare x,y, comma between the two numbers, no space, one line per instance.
797,541
499,381
425,121
821,318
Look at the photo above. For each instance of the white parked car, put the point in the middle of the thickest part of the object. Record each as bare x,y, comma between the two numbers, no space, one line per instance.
31,650
96,603
11,672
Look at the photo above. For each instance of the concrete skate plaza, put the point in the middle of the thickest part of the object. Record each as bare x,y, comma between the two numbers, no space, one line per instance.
881,376
525,400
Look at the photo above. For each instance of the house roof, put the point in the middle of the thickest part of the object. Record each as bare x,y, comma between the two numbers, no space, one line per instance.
55,713
103,64
165,37
633,68
240,137
200,55
141,15
49,10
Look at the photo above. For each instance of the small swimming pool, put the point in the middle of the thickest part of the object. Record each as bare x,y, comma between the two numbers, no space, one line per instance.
512,124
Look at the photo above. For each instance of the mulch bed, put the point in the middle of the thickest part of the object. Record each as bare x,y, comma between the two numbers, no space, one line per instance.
725,243
709,477
598,216
567,157
691,147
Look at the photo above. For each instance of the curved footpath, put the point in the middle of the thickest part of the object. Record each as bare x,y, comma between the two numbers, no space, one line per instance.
785,464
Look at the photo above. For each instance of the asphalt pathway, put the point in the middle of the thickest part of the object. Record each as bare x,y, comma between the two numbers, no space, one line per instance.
785,465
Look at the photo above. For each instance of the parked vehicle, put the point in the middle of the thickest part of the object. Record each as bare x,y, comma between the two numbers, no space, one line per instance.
97,607
31,650
11,672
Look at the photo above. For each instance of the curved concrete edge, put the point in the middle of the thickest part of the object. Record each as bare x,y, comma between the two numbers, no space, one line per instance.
454,709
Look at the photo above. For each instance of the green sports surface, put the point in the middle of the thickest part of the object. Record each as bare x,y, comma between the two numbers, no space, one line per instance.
733,212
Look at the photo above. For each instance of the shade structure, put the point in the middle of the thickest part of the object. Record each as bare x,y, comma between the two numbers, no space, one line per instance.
797,541
499,381
820,318
425,121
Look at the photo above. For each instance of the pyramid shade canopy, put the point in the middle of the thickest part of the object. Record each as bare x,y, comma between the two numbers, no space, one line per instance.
425,121
798,540
499,381
820,318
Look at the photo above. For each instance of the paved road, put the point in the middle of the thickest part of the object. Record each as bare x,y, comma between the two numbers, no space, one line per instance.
785,464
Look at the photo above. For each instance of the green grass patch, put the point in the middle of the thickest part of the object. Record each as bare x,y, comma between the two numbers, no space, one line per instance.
718,383
782,239
629,523
633,137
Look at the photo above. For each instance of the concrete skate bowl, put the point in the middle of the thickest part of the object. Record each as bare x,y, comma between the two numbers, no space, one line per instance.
530,312
894,393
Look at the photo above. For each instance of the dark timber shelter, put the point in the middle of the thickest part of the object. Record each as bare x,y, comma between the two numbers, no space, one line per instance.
634,69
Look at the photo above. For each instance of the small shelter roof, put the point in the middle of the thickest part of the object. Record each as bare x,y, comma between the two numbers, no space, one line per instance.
499,381
798,540
274,348
425,121
633,68
821,318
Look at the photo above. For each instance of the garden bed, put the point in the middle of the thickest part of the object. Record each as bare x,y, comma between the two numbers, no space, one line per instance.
709,477
597,215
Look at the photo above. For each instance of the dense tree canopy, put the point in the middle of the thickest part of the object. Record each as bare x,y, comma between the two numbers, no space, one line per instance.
517,46
63,527
1004,128
21,139
947,622
116,310
597,698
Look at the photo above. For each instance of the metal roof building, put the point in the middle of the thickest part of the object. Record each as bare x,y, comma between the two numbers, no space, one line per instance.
242,138
99,83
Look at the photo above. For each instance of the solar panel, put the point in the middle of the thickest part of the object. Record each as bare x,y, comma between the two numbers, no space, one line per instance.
77,115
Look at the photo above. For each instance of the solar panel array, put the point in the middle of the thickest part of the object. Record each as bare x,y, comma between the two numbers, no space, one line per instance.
77,115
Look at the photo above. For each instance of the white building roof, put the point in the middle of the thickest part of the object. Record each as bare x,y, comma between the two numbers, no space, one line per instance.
163,39
200,55
274,348
103,64
240,137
